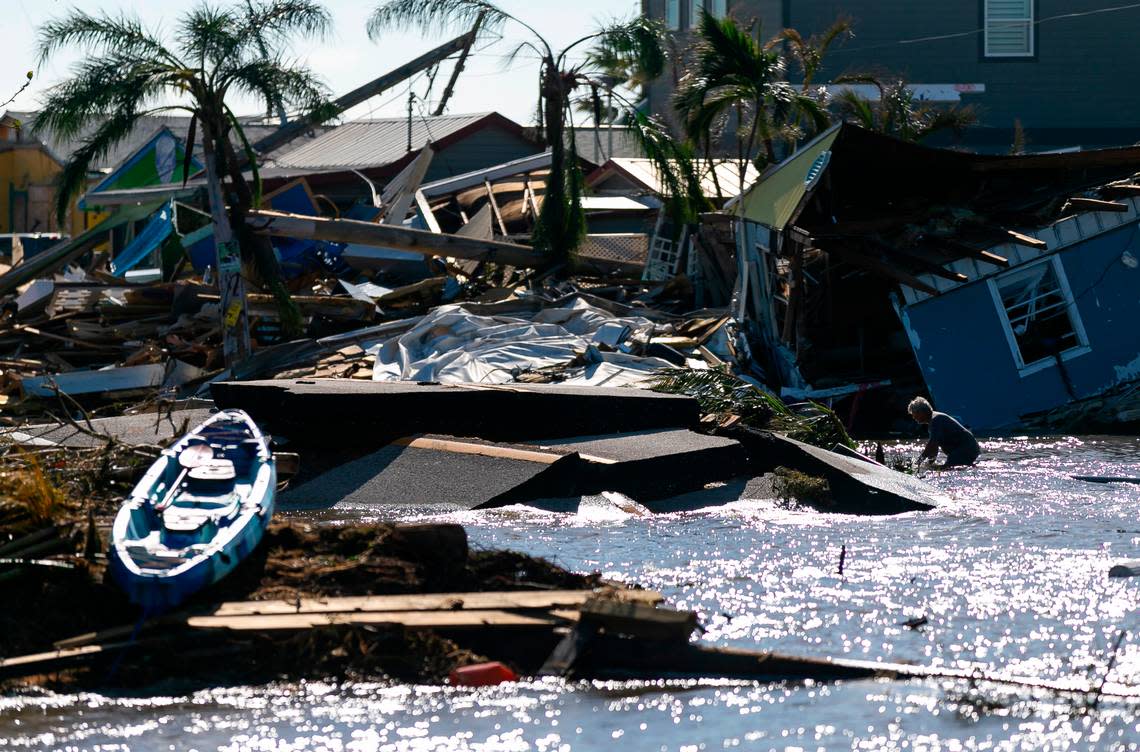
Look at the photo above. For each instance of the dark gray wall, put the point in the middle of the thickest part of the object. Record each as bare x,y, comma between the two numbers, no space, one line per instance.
1081,87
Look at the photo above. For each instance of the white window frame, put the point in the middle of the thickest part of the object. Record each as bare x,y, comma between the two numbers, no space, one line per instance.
673,14
1082,345
1031,29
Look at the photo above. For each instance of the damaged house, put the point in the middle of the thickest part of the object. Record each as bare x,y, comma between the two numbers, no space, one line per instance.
1007,286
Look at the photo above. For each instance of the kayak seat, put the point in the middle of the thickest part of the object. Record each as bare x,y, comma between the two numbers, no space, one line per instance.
217,469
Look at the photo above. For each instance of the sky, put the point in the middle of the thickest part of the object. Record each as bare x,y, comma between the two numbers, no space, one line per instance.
346,61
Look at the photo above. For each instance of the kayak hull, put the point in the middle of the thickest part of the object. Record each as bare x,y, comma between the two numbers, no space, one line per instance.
200,510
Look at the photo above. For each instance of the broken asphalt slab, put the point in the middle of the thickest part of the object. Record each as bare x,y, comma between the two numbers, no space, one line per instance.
858,486
346,412
441,473
429,474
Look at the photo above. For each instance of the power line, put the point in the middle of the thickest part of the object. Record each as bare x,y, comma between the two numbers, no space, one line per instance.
975,32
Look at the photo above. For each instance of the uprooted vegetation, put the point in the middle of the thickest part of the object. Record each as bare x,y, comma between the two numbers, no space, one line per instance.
722,394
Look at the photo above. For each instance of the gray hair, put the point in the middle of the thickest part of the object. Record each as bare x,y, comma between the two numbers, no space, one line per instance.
919,405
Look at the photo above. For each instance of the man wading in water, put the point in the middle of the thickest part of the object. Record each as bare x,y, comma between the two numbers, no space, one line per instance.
947,434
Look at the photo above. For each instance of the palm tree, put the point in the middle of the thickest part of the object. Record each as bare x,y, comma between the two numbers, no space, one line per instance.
128,72
561,224
898,113
733,77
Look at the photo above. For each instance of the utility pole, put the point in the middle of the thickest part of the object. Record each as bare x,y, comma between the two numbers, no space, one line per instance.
235,318
411,98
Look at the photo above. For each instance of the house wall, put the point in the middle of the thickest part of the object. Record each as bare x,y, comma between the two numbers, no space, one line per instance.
960,344
1077,88
484,148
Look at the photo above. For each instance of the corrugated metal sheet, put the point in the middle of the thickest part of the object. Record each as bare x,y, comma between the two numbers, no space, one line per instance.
373,143
144,131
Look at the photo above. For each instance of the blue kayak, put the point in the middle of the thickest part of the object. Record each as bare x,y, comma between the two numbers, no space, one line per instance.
200,509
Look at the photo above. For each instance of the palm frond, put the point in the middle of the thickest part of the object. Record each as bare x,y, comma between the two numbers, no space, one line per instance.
98,86
276,21
675,164
432,17
275,82
124,35
209,35
73,179
719,392
634,50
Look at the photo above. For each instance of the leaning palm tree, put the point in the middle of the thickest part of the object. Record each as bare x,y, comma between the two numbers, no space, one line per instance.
899,113
216,53
735,78
561,223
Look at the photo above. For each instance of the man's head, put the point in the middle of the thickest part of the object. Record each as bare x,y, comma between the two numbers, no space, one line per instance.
920,410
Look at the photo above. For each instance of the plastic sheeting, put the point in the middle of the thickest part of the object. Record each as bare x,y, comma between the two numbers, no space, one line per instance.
454,345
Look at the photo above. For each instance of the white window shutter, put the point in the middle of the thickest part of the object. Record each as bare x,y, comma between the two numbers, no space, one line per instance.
1009,28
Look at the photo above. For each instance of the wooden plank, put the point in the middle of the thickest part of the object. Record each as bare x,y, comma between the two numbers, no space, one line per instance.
392,236
462,619
970,251
1026,240
638,620
484,450
426,212
495,207
1094,204
517,599
1121,189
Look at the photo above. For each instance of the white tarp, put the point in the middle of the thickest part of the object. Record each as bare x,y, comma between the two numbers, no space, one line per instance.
453,345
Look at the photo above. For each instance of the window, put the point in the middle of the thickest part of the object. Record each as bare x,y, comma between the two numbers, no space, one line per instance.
1039,315
673,14
718,8
1009,29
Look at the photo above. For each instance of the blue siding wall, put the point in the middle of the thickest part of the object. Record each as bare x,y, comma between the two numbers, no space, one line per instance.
960,344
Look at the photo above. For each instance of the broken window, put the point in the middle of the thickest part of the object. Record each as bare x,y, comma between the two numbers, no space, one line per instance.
1040,316
1009,28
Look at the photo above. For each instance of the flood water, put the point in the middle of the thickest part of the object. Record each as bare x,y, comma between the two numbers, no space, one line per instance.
1011,574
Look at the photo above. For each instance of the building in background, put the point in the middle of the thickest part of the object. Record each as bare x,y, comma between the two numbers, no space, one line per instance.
1062,68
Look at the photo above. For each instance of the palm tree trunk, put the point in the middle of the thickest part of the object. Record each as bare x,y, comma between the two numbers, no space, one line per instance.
235,318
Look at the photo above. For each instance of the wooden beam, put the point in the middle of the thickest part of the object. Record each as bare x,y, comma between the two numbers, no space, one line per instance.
495,206
1094,204
1026,240
970,251
462,619
391,236
1121,189
881,267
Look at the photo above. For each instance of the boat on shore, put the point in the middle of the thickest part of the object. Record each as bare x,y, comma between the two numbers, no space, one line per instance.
199,511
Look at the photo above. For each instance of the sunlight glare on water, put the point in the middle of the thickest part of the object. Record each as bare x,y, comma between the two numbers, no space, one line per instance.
1011,575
